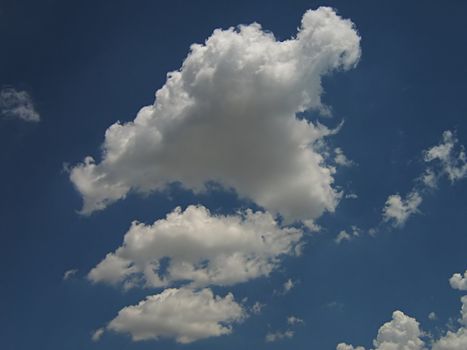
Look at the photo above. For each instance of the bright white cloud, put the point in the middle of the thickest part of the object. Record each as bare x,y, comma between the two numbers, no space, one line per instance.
457,281
17,104
397,210
455,340
401,333
445,159
404,333
196,246
181,314
278,335
229,116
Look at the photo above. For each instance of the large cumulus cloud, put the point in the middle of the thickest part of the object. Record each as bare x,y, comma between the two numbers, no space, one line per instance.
228,115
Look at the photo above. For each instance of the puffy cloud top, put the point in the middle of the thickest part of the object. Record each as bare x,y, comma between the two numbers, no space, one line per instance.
457,281
196,246
229,116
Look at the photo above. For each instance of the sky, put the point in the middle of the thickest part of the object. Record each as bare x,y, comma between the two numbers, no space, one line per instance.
257,174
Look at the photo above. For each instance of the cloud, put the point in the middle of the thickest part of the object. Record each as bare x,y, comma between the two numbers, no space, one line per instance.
69,274
404,333
445,159
199,247
257,308
455,340
228,115
275,336
182,314
457,281
17,104
401,333
345,236
432,316
293,320
341,159
397,210
451,163
97,334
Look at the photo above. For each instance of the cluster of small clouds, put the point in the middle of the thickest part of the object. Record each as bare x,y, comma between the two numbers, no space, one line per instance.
17,104
445,159
228,116
287,334
404,333
347,236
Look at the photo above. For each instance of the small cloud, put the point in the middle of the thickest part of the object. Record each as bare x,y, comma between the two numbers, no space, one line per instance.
257,308
397,209
16,104
69,274
341,159
293,320
275,336
97,334
346,236
432,316
457,281
351,196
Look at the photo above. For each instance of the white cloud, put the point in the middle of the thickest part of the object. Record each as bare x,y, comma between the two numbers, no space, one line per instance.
69,274
293,320
401,333
229,116
17,104
341,159
457,281
182,314
97,334
345,236
196,246
404,333
456,340
445,159
351,196
278,335
432,316
452,163
397,210
257,308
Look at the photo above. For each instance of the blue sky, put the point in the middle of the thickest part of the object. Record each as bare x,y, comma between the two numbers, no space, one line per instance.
396,80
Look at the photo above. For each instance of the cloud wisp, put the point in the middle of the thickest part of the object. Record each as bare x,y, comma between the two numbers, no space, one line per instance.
17,104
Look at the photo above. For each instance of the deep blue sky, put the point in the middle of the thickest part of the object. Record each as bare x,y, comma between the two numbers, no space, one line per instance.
89,63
